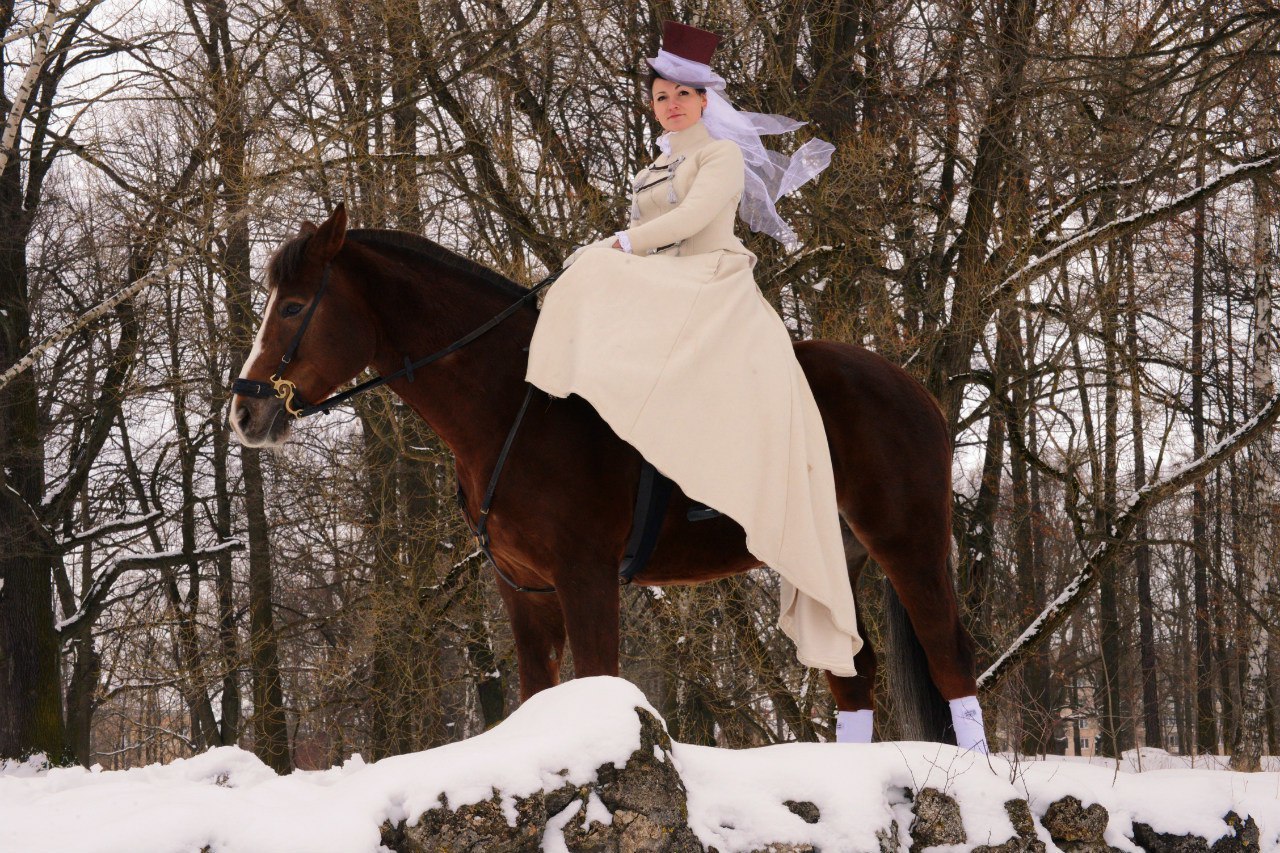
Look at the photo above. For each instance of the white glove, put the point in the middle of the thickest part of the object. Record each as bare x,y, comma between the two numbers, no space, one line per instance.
606,243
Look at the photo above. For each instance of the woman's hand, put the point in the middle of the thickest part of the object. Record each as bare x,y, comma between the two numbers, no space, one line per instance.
602,243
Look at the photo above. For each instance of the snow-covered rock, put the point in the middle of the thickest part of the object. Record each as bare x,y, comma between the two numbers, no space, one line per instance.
589,766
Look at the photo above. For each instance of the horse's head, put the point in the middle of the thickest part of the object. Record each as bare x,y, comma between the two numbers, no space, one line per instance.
337,341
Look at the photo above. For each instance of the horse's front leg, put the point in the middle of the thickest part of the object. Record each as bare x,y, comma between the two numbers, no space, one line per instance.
855,695
537,625
589,601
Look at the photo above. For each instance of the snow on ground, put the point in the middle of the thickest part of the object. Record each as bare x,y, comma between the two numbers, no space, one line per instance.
1174,801
1148,758
229,800
734,796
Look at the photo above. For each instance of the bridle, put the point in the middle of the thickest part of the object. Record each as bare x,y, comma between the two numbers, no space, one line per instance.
279,387
283,389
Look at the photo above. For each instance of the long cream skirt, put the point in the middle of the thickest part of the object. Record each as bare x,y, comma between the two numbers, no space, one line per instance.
687,361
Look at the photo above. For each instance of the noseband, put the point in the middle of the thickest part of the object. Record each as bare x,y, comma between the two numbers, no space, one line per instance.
277,386
283,389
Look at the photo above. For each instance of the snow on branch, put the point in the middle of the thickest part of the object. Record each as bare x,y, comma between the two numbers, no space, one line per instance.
1048,223
117,526
95,596
1136,222
99,310
449,581
1109,551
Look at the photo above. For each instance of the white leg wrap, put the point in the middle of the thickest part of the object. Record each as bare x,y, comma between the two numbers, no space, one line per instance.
853,726
966,716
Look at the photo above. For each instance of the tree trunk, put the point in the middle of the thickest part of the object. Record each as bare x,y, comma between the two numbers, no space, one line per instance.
226,91
978,539
1112,736
270,731
384,622
403,19
993,163
1152,734
30,660
490,681
1247,750
1034,705
1206,715
31,719
223,525
82,688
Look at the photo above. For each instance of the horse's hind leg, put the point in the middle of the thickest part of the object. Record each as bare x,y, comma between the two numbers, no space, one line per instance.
917,565
923,584
538,627
855,695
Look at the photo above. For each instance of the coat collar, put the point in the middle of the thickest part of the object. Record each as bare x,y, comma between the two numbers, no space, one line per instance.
684,141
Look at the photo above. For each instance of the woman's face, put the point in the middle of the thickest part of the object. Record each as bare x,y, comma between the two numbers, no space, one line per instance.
675,106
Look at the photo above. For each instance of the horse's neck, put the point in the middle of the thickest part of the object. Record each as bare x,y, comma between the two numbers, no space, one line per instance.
470,396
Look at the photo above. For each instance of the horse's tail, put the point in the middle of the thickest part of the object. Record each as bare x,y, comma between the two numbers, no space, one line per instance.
917,703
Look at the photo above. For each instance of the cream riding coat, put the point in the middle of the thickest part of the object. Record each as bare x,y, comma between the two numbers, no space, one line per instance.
681,354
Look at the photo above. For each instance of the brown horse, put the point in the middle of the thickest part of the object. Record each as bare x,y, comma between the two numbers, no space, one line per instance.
562,513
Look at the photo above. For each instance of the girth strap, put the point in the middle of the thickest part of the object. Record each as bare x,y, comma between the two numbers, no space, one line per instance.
478,531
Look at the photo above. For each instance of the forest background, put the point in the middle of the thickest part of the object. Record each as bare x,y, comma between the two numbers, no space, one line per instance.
1060,215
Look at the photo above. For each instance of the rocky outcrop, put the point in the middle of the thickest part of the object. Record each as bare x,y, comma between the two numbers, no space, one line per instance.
643,805
1026,840
646,808
1242,838
475,827
937,820
1075,828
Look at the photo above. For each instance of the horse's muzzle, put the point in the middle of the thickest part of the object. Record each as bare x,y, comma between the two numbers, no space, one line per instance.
260,422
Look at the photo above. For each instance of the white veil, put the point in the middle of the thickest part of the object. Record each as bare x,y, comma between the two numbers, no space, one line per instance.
769,174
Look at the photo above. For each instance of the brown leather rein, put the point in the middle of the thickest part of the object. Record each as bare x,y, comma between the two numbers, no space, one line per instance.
279,387
285,390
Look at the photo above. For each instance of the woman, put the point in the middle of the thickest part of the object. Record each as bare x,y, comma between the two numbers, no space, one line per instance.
662,328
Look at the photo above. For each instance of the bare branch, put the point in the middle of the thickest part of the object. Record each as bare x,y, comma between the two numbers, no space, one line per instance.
1109,552
1132,224
94,599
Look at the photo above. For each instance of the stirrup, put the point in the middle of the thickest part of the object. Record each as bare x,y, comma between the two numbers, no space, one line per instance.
701,512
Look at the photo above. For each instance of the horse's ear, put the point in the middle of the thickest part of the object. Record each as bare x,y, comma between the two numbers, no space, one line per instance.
308,228
328,238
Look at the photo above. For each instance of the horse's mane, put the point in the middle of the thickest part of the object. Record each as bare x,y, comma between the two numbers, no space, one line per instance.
285,262
433,251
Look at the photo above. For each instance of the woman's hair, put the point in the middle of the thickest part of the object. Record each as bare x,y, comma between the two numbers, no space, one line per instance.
654,75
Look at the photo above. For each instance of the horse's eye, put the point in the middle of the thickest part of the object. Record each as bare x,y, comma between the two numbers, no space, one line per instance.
291,310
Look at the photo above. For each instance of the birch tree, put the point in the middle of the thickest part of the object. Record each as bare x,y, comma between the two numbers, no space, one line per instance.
1247,749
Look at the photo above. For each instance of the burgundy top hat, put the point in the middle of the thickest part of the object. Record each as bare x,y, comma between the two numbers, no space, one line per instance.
689,42
685,58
